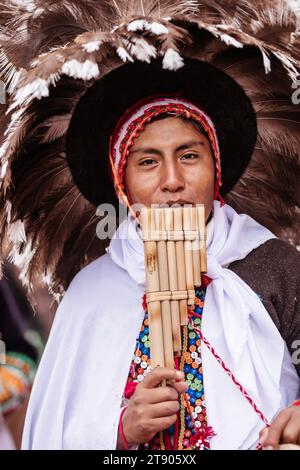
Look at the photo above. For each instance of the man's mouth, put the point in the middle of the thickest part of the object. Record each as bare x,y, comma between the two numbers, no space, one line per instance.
178,202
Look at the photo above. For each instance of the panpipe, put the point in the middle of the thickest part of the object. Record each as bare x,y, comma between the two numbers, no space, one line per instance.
175,258
174,241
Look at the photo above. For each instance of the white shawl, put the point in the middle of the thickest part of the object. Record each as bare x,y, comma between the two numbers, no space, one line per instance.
78,389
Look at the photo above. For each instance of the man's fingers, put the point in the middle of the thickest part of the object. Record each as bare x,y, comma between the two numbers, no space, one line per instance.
165,409
180,387
275,430
263,435
157,375
291,432
289,447
160,424
159,395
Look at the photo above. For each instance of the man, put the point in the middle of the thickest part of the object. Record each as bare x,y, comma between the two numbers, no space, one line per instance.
157,173
178,133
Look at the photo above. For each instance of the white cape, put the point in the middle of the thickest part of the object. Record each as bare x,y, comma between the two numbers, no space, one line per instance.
77,394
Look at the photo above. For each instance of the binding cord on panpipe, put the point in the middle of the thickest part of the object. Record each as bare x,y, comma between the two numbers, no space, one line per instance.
175,257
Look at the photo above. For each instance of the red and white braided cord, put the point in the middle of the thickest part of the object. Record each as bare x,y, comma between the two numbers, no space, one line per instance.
230,374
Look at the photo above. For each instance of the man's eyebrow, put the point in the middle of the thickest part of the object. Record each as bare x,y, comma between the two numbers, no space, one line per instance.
150,150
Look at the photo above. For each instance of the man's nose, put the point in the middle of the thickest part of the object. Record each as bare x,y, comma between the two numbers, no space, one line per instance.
172,179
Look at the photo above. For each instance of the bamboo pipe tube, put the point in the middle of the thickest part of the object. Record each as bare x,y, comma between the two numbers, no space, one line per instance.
188,257
171,251
196,249
152,279
179,245
202,229
164,286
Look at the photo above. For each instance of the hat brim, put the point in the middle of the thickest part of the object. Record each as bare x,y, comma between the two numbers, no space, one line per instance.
102,105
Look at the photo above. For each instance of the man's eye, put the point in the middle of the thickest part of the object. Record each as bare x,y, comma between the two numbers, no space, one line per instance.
189,156
147,162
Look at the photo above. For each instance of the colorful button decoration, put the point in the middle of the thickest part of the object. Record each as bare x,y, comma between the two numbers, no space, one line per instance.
196,434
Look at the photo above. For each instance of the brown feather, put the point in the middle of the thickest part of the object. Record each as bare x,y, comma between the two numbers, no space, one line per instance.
59,223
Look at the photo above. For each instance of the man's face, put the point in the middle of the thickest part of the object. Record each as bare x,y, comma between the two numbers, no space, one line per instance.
171,162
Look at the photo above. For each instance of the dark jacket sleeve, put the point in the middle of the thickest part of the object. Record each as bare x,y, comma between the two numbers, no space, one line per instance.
273,272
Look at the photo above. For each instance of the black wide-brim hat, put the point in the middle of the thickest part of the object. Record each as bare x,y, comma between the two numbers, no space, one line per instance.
101,107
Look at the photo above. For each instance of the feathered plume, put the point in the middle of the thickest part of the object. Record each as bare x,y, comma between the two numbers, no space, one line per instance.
51,51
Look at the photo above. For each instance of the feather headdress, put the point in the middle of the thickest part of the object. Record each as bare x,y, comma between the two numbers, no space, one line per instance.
53,51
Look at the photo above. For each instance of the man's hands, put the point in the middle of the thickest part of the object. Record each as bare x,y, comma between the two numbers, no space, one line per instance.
284,429
151,408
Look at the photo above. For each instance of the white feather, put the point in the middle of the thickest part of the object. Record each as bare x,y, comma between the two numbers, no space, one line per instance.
13,83
295,6
38,12
212,29
82,70
3,170
172,60
123,54
22,262
47,278
57,297
14,122
288,65
39,88
24,280
143,25
16,232
28,5
136,25
142,50
3,149
8,207
92,46
158,28
216,31
230,41
267,61
9,72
